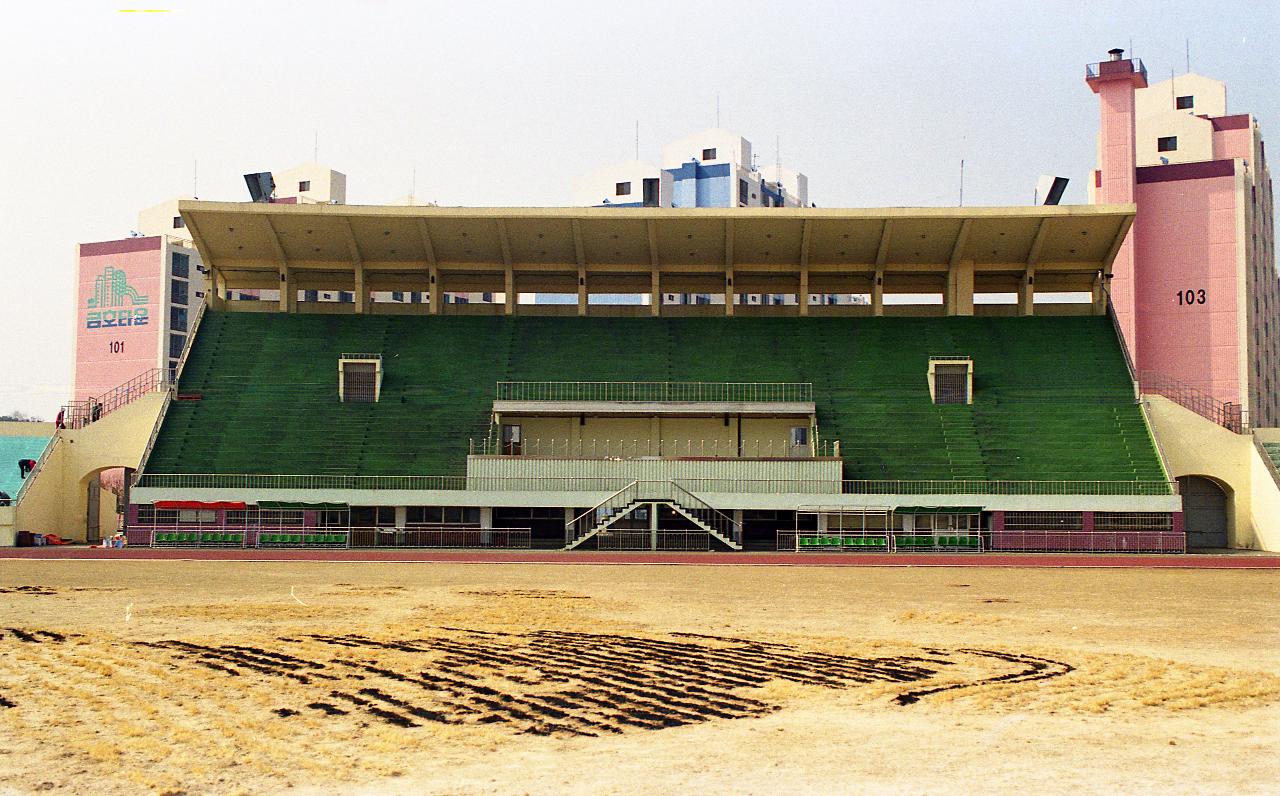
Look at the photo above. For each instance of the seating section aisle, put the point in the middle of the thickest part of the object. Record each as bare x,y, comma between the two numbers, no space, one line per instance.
1052,398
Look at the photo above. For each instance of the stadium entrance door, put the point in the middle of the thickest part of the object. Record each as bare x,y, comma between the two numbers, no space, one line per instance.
1204,507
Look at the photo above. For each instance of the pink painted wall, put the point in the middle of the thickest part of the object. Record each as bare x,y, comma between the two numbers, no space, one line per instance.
119,299
1119,158
1185,241
1232,144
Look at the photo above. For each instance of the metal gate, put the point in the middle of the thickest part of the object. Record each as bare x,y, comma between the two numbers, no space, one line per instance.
951,384
359,382
1204,511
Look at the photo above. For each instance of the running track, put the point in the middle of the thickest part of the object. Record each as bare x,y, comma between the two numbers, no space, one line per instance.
1082,560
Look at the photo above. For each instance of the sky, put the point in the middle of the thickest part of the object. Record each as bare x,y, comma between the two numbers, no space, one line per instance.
503,104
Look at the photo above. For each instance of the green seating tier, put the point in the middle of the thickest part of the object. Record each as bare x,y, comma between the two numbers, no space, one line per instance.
1053,400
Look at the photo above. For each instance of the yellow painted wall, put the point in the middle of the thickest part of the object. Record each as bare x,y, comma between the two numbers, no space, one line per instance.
11,428
57,499
1195,446
654,436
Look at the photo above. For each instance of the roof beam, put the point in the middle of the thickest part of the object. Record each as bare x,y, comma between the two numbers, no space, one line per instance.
1112,252
274,237
1033,256
505,242
206,256
652,228
728,244
579,251
805,234
886,235
352,246
424,232
957,250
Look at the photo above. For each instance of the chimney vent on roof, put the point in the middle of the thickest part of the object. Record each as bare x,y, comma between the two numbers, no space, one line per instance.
1116,54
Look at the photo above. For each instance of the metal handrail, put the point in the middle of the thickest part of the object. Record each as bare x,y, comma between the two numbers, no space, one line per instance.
191,337
155,435
31,476
1124,347
654,391
1231,416
78,414
1097,70
612,484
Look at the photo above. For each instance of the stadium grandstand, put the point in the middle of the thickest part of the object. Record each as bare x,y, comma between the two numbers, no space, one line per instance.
932,421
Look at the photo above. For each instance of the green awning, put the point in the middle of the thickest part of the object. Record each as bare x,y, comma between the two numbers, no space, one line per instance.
291,506
938,510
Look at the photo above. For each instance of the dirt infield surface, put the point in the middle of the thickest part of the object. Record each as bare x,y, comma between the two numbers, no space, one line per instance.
132,676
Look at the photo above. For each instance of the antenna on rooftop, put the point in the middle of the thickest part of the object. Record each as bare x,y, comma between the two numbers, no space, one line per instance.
315,147
195,178
1188,54
717,110
962,182
413,182
637,139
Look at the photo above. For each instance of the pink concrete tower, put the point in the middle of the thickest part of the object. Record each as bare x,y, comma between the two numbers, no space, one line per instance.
1115,81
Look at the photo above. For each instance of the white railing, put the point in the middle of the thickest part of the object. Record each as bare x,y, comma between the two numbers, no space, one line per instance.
651,448
655,391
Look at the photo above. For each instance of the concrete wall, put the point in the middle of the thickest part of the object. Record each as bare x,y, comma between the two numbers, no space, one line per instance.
57,500
655,436
822,472
1186,241
1195,446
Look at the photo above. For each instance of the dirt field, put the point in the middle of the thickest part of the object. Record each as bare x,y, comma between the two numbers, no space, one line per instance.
225,677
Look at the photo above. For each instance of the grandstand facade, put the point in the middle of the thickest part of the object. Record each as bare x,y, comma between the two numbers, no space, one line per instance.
950,425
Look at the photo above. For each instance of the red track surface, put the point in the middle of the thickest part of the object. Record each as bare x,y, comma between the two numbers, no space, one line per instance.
1086,560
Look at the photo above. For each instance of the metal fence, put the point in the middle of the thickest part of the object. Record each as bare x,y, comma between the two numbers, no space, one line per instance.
655,391
436,536
443,536
605,484
1088,541
687,541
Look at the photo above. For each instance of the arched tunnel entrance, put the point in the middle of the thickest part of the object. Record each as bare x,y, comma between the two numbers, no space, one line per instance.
1204,511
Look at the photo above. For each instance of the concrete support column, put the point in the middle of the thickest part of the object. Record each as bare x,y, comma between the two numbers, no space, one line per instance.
1086,521
402,516
1027,294
737,521
655,294
217,289
1099,299
486,516
509,291
653,526
877,294
288,291
959,296
729,290
361,291
803,298
436,295
582,293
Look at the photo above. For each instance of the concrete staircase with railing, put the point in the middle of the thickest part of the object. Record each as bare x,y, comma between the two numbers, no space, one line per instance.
639,494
